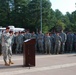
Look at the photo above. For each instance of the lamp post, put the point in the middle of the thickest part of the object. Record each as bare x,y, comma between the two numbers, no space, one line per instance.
41,15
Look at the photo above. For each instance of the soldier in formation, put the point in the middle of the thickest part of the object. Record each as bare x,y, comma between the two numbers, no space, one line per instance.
19,42
69,42
47,40
64,38
74,41
0,45
50,43
40,42
58,40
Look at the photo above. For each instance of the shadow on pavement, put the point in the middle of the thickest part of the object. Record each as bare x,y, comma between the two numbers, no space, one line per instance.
9,67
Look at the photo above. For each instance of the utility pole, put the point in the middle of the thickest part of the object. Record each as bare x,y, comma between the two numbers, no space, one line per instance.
41,15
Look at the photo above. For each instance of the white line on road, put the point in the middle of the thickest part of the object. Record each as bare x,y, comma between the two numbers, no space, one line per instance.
22,71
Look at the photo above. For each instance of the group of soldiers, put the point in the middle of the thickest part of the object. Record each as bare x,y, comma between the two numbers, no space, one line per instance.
49,43
56,42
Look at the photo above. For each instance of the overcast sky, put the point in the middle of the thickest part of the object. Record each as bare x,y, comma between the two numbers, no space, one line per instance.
64,5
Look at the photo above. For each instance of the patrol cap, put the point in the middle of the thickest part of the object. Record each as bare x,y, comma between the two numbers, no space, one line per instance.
10,31
7,27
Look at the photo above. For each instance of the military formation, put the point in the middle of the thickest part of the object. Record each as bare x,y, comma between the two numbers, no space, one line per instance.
48,43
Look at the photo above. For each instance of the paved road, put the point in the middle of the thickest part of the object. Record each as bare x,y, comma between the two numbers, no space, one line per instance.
64,64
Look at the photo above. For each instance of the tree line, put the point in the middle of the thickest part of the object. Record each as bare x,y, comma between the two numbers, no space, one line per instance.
26,13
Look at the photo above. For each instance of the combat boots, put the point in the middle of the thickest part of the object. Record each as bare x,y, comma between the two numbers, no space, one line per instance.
6,64
0,54
10,62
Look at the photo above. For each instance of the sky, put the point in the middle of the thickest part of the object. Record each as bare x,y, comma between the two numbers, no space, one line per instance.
64,5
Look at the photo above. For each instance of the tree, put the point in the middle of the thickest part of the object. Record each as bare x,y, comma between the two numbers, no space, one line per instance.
19,13
58,14
34,14
71,21
59,26
4,12
26,13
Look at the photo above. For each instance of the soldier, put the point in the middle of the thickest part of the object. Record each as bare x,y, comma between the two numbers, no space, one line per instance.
74,40
69,41
40,40
23,33
52,35
33,35
64,37
19,41
15,43
47,43
0,44
6,49
11,40
57,43
27,35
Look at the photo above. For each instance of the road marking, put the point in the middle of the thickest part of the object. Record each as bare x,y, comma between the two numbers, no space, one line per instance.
22,71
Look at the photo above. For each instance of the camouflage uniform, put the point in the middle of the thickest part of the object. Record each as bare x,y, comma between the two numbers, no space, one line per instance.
33,36
0,44
69,42
27,36
14,42
64,37
6,46
40,40
53,42
74,40
19,41
47,44
57,44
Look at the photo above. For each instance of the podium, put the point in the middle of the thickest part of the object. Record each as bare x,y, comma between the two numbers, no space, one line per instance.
29,53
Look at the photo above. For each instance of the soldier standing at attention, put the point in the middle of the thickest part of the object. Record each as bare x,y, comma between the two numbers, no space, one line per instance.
58,40
40,39
64,37
19,41
6,43
0,44
69,41
52,39
27,35
33,35
47,43
74,40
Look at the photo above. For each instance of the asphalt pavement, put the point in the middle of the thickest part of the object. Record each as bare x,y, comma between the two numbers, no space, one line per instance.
62,64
